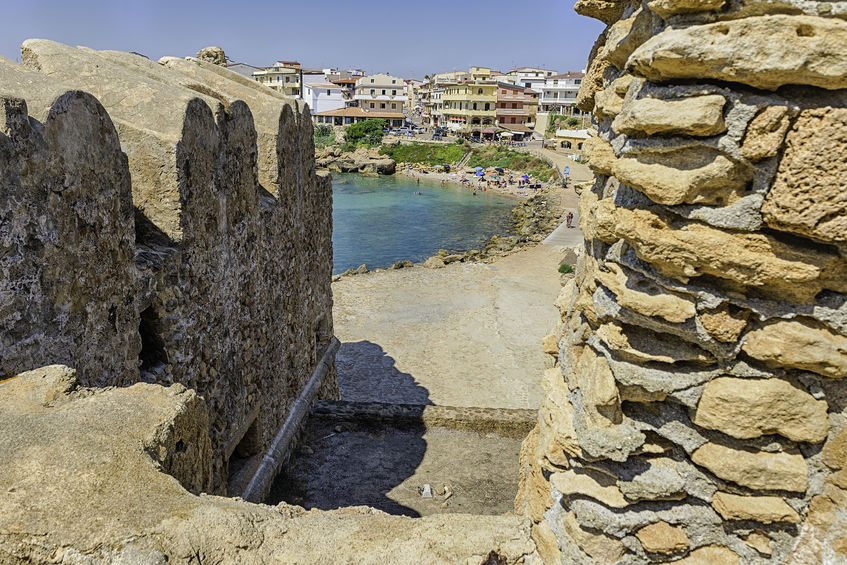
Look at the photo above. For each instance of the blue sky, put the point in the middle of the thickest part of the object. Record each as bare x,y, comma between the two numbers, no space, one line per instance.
404,38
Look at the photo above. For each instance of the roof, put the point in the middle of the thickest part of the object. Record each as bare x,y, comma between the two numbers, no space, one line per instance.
510,85
519,69
530,91
568,75
355,112
345,81
573,133
517,127
323,85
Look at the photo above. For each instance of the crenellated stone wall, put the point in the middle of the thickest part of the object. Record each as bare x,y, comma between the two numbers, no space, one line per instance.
696,413
211,270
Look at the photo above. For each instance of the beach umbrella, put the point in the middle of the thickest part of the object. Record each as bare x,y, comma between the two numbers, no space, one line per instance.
477,168
480,173
493,173
499,169
525,177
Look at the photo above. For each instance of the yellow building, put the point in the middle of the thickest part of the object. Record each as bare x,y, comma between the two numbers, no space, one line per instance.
467,107
480,74
284,77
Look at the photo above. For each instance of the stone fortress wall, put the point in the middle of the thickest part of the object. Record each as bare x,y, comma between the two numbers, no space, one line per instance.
697,412
163,222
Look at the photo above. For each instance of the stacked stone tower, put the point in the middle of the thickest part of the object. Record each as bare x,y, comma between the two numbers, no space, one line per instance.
697,413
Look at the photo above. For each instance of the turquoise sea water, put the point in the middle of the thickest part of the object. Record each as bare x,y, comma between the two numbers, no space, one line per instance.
378,221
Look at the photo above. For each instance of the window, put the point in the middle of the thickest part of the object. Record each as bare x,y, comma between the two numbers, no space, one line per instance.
382,105
393,106
487,106
372,104
327,92
383,91
479,91
372,80
578,81
474,105
373,92
393,93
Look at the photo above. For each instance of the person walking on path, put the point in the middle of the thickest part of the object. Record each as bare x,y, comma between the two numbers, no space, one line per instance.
569,220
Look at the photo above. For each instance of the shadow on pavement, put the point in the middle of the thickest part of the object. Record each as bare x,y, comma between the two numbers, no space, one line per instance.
367,374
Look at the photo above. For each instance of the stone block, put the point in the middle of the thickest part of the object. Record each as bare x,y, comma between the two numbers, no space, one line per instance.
593,485
623,36
799,344
710,555
638,293
607,11
669,8
601,548
756,470
808,195
546,543
724,323
765,133
764,509
748,408
764,52
661,537
696,116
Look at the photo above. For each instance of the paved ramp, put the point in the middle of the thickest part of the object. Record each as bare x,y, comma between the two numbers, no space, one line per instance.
564,236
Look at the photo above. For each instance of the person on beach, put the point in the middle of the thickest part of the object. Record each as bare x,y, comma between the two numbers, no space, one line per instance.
569,220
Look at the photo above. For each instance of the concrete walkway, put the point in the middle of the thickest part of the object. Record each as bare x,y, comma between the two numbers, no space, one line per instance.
564,236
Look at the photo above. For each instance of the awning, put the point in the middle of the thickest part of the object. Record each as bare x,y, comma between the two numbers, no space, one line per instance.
506,134
488,131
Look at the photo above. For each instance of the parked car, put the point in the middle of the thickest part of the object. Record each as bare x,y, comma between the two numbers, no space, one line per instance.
394,131
436,137
403,131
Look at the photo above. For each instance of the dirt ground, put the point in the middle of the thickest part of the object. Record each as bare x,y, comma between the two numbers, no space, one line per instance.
465,335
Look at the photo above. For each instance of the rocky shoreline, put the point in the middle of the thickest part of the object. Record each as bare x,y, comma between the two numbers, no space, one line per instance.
533,220
362,160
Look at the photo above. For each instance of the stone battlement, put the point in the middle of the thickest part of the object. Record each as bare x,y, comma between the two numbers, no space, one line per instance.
167,227
697,412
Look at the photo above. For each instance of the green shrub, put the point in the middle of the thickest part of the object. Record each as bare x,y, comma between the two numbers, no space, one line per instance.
367,131
424,153
323,130
324,135
565,268
573,122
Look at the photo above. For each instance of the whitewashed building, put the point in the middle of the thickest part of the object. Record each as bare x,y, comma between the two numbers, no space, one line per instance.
381,92
558,93
323,96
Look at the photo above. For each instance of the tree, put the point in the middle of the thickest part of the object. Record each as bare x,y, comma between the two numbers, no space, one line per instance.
369,131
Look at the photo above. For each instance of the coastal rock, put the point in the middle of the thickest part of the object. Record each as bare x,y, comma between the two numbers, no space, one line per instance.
765,509
750,51
808,196
661,537
756,470
748,408
765,133
434,262
668,8
214,55
696,116
799,345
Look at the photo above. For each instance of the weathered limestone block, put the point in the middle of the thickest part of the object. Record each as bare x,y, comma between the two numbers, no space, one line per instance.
557,437
601,548
690,175
592,485
760,542
668,8
534,495
756,470
607,11
214,55
785,271
609,102
661,537
808,195
764,52
594,79
593,377
697,116
800,345
662,480
765,509
748,408
764,135
710,555
642,295
641,345
624,36
67,238
724,323
834,452
546,542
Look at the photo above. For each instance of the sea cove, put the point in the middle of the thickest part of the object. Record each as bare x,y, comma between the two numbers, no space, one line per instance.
380,220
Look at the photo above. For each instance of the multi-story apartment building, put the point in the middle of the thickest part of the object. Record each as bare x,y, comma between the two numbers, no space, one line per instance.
381,92
512,105
528,77
558,95
283,76
469,104
322,97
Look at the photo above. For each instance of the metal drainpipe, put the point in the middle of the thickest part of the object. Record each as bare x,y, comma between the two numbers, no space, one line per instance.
259,486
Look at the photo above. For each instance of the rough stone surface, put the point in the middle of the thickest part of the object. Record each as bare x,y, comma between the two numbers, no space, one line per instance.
661,537
220,289
748,408
698,116
709,555
808,196
596,487
724,323
800,345
668,8
765,509
750,51
756,470
214,55
765,134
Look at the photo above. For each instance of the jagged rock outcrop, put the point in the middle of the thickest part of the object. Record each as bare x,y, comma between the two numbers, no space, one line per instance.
220,282
700,387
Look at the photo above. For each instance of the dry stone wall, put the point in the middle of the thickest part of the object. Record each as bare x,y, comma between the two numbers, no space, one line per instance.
221,284
696,413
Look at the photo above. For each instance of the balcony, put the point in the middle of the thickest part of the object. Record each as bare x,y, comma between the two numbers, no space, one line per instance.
511,98
381,97
512,112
